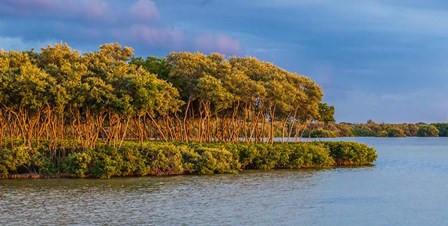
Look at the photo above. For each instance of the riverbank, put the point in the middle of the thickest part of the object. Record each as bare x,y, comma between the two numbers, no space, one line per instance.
171,158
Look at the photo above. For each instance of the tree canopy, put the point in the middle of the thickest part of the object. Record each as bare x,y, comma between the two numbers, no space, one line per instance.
59,93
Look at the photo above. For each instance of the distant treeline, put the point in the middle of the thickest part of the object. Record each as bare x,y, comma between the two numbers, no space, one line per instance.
373,129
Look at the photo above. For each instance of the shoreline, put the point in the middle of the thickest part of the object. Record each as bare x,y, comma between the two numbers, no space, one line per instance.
245,171
135,159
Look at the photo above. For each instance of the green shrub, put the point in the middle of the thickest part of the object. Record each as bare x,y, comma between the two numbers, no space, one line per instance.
165,160
209,160
362,131
106,163
78,163
247,154
351,153
309,155
427,131
395,132
322,133
284,156
13,158
133,162
443,129
162,159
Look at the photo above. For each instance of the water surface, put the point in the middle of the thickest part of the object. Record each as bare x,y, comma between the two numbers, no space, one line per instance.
407,186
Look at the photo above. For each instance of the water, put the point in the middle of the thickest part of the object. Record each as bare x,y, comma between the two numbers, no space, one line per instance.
407,186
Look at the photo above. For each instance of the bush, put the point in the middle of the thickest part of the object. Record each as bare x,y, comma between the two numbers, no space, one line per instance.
205,160
283,156
106,163
427,131
362,131
321,133
395,132
133,162
11,159
162,159
443,129
308,155
165,160
351,153
78,164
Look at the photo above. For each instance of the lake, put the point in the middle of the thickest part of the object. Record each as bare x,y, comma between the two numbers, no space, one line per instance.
407,186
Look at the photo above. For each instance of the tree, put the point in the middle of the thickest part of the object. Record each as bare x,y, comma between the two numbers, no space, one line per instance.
154,65
108,95
428,131
326,113
443,129
395,132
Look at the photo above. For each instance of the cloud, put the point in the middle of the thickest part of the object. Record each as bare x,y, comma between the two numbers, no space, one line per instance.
145,11
218,43
60,9
36,4
95,8
370,55
136,23
151,36
16,43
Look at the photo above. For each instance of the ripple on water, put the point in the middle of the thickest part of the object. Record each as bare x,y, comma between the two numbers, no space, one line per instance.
406,187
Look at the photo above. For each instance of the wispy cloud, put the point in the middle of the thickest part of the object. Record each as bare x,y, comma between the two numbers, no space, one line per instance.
136,23
383,58
60,9
218,43
11,43
144,11
152,36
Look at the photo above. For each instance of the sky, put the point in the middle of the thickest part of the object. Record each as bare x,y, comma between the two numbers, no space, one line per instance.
383,60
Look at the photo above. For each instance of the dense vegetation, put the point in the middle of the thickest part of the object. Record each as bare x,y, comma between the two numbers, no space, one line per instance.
372,129
58,94
104,113
162,158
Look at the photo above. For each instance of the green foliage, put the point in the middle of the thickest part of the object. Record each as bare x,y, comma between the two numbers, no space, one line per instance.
133,161
154,65
326,113
163,159
373,129
78,163
395,132
427,131
351,153
106,163
283,156
319,133
443,129
209,160
60,93
362,131
342,130
23,159
66,112
13,158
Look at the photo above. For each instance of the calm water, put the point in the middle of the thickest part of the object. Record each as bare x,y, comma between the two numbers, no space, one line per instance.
407,186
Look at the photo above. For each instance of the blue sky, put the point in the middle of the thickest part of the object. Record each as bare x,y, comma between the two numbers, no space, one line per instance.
376,59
